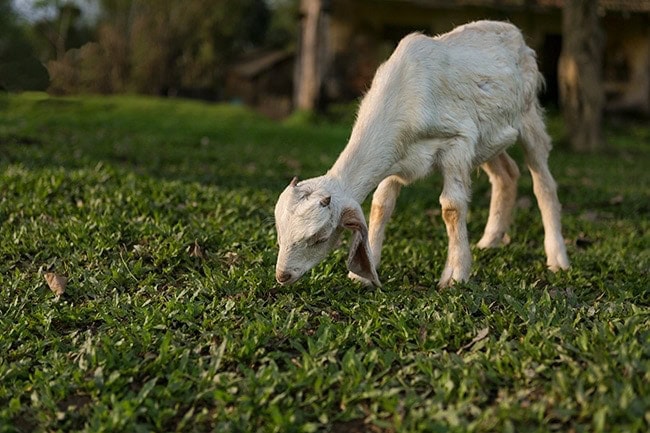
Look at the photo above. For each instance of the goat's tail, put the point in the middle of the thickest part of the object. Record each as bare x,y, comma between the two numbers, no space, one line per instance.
533,79
533,131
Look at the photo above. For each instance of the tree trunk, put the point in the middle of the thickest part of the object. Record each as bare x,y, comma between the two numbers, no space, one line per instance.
311,57
580,75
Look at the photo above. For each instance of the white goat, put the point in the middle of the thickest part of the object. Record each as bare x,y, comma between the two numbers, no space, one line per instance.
452,102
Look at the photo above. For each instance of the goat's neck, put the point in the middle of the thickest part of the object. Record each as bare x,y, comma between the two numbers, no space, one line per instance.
366,160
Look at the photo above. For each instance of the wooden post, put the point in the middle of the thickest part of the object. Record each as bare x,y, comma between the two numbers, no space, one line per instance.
311,57
580,75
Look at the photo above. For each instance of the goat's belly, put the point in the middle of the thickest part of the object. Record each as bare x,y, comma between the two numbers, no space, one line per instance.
418,160
492,145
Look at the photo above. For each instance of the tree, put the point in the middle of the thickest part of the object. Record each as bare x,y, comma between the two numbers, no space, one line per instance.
58,26
283,26
311,57
164,47
580,74
19,67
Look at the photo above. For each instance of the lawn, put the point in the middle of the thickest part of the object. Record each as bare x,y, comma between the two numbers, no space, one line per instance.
159,214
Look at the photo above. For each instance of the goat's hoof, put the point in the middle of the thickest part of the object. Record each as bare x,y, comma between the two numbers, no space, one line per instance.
450,277
446,280
445,284
493,241
364,281
557,260
558,266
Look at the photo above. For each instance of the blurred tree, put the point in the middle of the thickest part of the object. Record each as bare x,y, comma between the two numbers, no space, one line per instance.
166,47
580,74
213,35
311,58
59,30
283,26
19,67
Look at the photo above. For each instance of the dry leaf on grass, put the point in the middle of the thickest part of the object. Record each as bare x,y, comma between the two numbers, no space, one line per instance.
617,199
196,250
231,258
482,334
56,283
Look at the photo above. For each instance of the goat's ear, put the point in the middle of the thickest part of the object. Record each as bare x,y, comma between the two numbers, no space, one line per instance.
294,182
360,260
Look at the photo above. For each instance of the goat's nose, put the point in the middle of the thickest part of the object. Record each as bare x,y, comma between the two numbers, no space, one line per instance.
283,277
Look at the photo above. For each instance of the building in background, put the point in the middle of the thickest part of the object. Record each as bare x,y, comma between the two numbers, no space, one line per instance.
264,80
352,37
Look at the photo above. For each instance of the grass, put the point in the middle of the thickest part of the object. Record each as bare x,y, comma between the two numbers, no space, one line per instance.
159,213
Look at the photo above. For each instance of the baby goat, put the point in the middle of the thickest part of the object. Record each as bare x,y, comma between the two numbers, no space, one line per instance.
451,103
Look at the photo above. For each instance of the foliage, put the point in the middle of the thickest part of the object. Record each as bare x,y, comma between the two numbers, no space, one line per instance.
19,66
159,215
162,47
283,26
60,28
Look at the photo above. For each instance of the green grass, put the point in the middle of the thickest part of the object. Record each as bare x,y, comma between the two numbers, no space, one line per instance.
114,193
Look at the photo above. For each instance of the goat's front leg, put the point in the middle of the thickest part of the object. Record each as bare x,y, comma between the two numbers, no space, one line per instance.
383,205
503,173
454,199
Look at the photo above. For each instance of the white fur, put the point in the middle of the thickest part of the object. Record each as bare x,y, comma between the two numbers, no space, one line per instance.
449,103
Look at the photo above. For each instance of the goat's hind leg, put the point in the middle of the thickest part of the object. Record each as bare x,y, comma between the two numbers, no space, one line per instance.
537,145
503,174
383,205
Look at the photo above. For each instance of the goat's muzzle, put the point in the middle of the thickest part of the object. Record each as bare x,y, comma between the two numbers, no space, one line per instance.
283,277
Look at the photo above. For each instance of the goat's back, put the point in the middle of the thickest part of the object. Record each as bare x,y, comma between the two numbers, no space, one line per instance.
493,36
480,74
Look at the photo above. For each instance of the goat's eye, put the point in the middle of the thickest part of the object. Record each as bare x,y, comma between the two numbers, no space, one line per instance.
318,241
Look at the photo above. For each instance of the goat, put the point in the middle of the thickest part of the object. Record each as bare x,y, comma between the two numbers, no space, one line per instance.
451,103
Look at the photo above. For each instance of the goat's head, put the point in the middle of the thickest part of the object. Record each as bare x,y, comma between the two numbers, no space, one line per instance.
309,218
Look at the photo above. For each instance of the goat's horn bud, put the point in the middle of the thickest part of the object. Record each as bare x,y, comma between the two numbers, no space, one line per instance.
325,201
294,182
